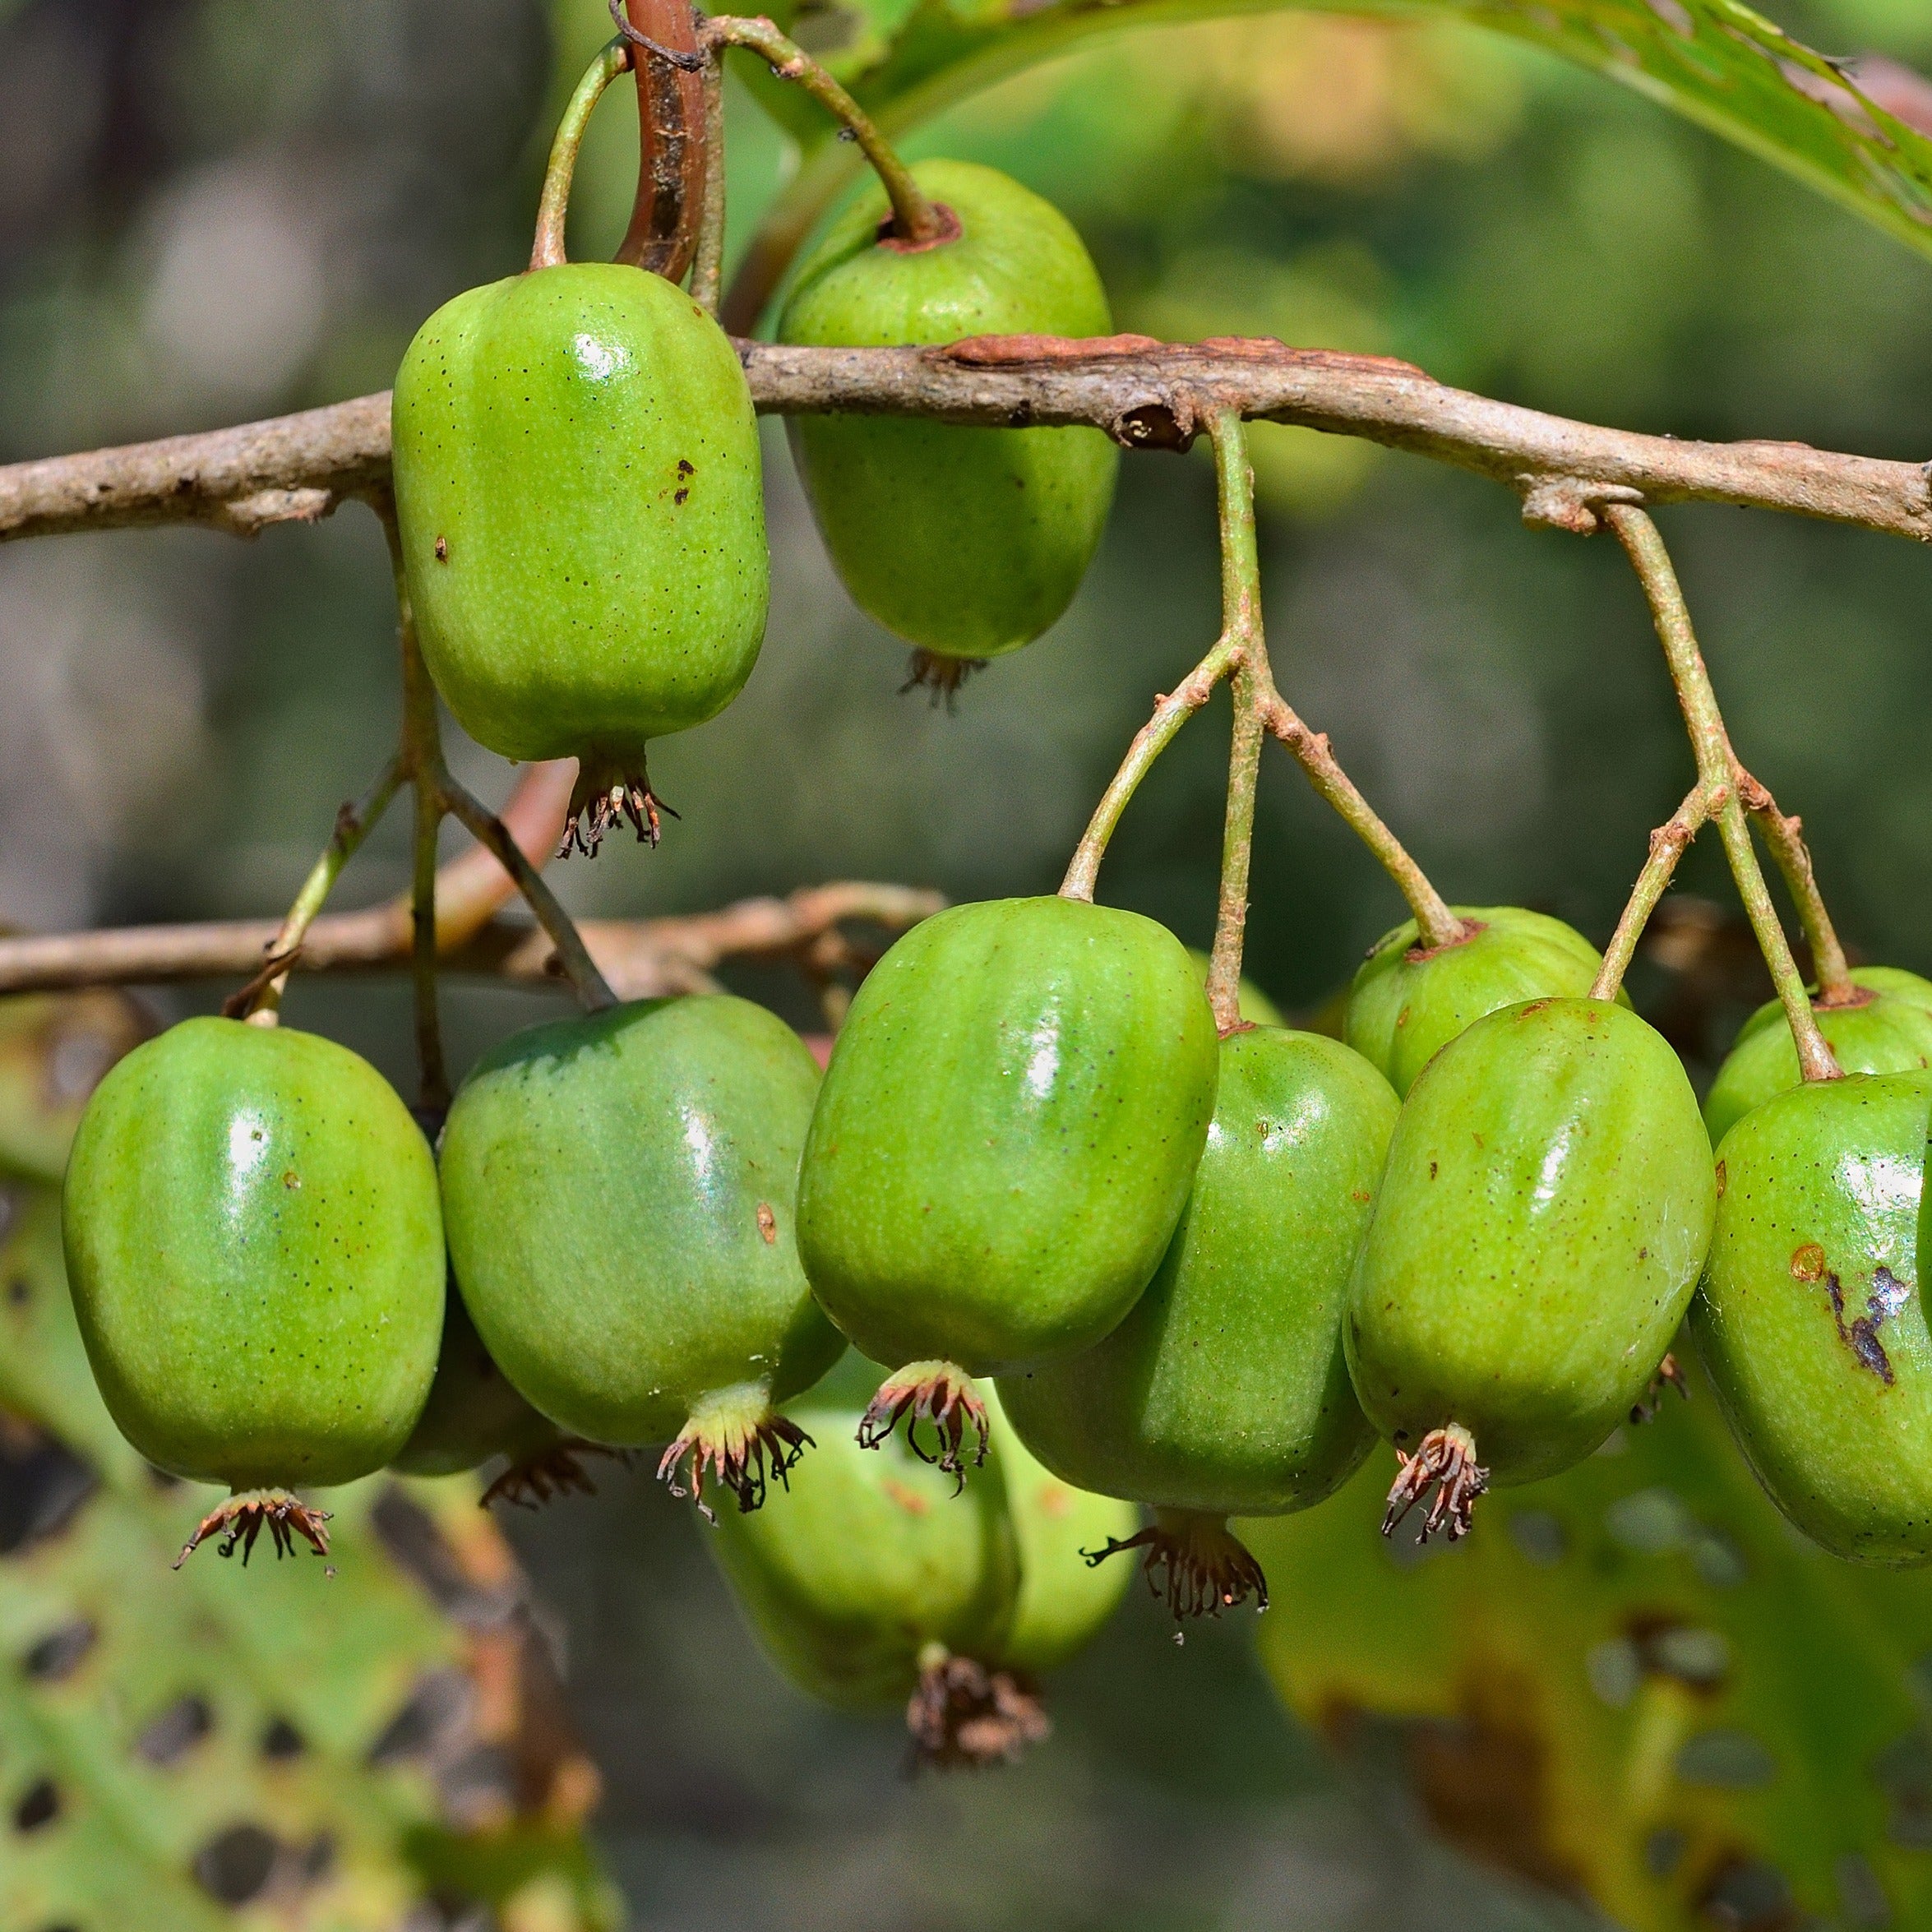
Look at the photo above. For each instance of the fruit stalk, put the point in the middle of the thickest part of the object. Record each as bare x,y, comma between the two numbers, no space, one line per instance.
1240,605
916,221
707,270
593,990
546,247
1784,836
1720,775
1668,844
423,749
260,1002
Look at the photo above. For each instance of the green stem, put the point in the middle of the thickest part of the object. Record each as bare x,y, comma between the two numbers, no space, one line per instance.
1668,844
707,271
1720,775
547,250
1785,840
353,823
1240,619
915,219
1170,713
593,990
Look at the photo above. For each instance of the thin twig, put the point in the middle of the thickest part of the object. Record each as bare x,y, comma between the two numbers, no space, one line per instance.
915,219
1784,838
707,268
1147,395
547,249
1240,619
1719,774
642,958
353,823
1668,844
592,988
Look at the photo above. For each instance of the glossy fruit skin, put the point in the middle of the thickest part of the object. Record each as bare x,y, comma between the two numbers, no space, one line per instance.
619,1193
1401,1011
256,1251
1891,1034
1006,1133
1224,1392
1063,1598
583,526
1542,1222
967,541
1810,1321
869,1556
473,1412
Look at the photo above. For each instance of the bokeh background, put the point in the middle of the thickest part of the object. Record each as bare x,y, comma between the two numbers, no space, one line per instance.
211,209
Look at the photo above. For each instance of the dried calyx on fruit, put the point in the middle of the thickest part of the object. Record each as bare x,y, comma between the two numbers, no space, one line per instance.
968,543
256,1251
619,1191
872,1582
1539,1228
1224,1391
1004,1143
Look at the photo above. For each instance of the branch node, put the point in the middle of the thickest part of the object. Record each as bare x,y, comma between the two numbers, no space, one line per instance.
1569,502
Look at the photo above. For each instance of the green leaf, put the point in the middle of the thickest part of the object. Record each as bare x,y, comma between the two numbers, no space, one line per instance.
1718,62
1635,1683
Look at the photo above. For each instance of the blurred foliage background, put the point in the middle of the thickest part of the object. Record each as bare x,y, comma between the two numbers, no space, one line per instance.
210,210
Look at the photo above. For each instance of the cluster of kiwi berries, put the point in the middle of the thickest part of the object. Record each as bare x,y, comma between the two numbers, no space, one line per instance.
1098,1255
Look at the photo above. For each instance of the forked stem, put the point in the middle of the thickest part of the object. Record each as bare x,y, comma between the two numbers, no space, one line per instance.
916,220
1784,838
1241,649
1719,776
547,248
1668,844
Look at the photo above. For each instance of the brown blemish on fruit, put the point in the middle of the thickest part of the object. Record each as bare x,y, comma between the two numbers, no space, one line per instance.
1053,1499
767,1222
442,550
291,1180
1860,1334
1807,1262
1723,1180
677,497
908,1499
686,467
1432,1170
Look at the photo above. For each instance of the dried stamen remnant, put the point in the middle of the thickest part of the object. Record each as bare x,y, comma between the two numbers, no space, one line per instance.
241,1519
964,1717
1668,1375
737,1453
1446,1461
1208,1568
607,793
940,1393
556,1471
928,670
